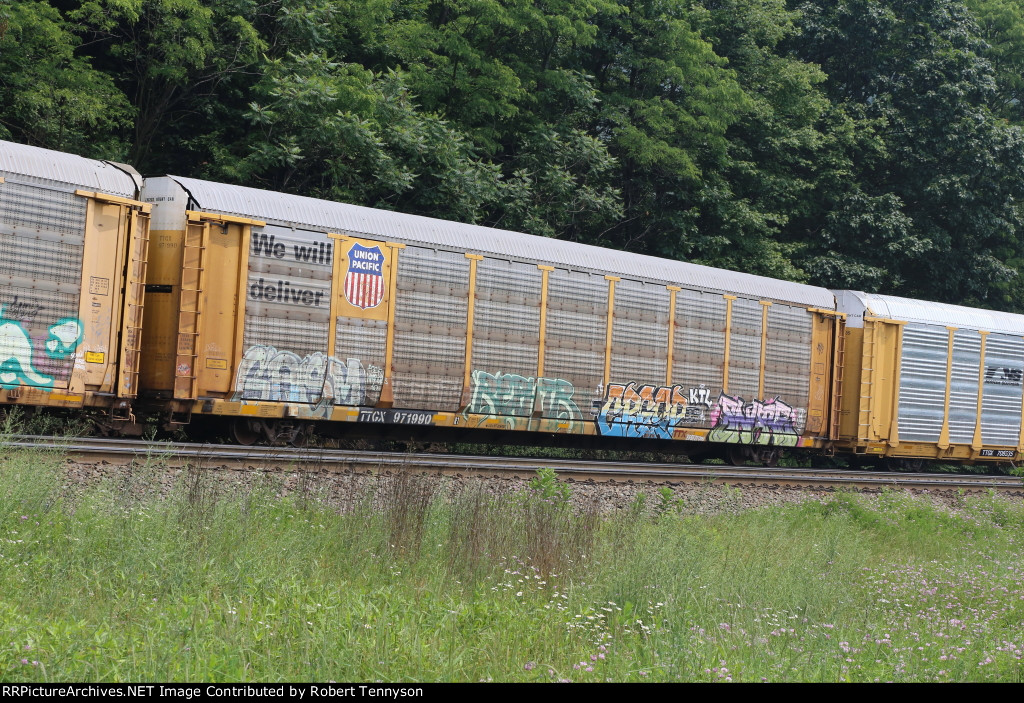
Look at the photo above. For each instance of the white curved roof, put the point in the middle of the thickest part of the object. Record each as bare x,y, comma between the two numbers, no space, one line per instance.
303,212
856,304
54,168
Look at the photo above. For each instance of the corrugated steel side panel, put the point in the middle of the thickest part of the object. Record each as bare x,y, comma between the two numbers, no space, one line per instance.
424,231
42,240
287,319
362,344
283,360
576,332
745,349
922,382
278,282
698,349
506,320
63,171
32,207
640,333
787,361
1001,395
430,329
963,396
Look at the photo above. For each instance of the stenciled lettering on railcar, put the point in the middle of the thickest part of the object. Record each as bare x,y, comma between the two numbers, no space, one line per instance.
1003,376
998,453
315,253
397,417
364,282
284,291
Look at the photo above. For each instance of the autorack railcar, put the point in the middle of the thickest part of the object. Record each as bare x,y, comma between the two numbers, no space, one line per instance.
927,380
73,249
279,310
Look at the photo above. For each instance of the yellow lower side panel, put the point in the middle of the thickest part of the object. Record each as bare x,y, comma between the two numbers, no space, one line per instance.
45,398
391,416
41,397
925,450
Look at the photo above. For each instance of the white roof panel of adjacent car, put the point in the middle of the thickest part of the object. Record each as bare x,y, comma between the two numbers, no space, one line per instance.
303,212
34,165
856,304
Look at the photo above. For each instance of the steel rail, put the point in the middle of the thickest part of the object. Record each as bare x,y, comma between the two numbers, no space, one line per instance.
272,458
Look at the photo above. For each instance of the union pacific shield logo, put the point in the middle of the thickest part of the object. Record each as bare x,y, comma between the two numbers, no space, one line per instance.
364,282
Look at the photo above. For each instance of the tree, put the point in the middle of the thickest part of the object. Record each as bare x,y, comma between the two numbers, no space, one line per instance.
338,131
667,101
176,60
931,199
49,95
1001,26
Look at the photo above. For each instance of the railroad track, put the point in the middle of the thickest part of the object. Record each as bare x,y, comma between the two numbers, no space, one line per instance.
339,460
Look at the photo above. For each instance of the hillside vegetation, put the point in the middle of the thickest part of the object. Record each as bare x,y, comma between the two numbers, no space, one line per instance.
871,144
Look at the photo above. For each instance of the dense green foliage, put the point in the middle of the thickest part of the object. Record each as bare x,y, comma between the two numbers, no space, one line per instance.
873,144
214,577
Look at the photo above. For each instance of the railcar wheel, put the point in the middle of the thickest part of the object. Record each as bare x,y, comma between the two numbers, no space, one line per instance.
914,465
300,437
759,456
737,456
245,433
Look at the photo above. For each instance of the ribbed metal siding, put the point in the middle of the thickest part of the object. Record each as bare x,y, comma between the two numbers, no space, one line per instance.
285,341
299,275
963,397
640,333
787,359
42,238
506,320
430,329
300,337
576,330
699,342
1001,396
363,343
36,207
922,382
745,349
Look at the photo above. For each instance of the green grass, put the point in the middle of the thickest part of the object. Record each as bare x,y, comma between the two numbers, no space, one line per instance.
408,580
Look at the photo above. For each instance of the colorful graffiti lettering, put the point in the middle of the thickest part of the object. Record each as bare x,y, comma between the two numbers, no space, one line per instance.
765,422
267,373
644,411
17,350
510,395
64,338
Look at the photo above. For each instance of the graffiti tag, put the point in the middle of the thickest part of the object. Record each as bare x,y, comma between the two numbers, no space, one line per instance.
512,395
17,350
647,411
765,422
267,373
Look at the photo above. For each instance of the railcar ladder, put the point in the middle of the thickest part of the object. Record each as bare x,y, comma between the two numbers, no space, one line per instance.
135,289
867,381
838,367
193,274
